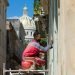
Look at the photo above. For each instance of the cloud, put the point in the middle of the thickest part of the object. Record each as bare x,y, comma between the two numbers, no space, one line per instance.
14,17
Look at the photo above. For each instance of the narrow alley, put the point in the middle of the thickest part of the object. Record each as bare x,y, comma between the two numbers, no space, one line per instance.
37,37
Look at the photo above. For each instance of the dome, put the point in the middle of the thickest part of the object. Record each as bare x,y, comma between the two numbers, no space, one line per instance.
25,8
27,22
28,25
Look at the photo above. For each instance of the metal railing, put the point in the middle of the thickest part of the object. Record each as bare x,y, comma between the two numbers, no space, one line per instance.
21,71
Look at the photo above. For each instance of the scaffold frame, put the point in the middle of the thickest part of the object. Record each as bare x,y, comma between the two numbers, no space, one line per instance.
20,71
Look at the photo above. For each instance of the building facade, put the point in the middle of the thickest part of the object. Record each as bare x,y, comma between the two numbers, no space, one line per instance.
3,8
13,45
15,38
41,16
18,27
44,5
28,25
62,57
66,35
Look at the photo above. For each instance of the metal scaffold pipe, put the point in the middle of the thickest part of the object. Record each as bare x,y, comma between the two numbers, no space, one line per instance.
20,70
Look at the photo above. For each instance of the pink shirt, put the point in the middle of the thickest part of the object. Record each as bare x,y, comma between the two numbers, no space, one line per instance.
33,49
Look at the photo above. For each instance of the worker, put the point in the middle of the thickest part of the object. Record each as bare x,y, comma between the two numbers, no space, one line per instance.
33,49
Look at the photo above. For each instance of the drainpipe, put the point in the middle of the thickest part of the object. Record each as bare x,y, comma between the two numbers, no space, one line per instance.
53,26
55,38
50,36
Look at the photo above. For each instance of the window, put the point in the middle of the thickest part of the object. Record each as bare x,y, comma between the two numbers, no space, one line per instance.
3,12
0,1
27,33
0,37
31,33
0,9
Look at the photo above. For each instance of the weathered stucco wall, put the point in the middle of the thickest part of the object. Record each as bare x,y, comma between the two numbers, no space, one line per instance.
66,38
3,6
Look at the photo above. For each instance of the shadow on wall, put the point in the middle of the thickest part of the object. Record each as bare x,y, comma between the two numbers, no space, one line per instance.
14,46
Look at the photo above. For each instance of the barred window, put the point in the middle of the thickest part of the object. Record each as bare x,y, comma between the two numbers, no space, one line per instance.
31,33
0,37
0,1
0,10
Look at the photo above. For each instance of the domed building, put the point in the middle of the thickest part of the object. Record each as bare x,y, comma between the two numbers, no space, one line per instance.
28,25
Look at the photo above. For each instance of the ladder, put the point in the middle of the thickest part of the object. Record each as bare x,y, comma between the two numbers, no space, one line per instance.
23,72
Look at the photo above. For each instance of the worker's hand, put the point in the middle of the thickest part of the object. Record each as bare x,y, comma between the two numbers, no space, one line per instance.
51,43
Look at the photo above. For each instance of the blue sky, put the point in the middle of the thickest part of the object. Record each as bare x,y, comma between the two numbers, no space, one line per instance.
15,7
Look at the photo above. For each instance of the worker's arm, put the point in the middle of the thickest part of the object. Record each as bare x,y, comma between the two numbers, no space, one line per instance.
45,48
41,48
